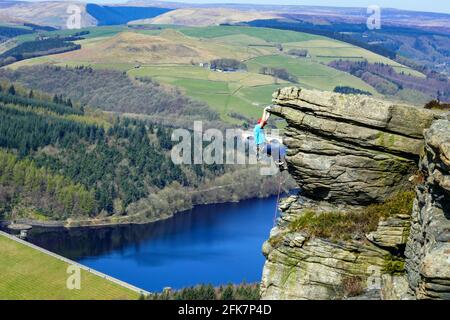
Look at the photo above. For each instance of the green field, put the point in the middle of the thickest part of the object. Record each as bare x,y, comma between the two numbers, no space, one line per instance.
269,35
236,92
94,32
312,75
26,273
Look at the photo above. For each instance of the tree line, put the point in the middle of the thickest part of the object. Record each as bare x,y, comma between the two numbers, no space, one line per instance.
118,169
350,90
279,73
388,81
37,48
121,165
208,292
21,181
226,64
110,90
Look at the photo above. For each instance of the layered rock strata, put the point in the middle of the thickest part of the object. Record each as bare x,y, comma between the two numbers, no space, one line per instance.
346,152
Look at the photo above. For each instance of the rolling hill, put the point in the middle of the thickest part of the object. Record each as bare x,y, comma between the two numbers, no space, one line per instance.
47,13
176,56
206,17
114,15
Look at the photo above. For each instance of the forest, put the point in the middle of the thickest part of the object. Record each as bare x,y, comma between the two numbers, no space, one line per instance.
350,90
7,32
37,48
229,292
110,90
387,81
56,164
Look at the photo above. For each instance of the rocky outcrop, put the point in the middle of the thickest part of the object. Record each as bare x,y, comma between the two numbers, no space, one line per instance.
350,149
428,247
392,233
303,267
346,152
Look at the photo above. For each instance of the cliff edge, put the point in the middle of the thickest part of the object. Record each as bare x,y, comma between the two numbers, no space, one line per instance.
372,220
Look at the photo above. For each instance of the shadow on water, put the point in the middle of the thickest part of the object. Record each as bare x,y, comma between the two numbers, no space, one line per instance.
214,244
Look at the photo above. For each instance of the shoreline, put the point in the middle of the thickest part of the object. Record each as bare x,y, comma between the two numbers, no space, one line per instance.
101,223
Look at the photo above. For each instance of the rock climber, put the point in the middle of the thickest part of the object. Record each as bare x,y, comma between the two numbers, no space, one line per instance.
273,148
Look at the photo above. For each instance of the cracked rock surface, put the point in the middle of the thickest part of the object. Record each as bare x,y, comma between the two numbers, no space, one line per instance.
345,152
350,148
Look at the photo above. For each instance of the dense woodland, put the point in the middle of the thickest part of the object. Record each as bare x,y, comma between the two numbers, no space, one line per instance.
57,163
37,48
387,81
208,292
350,90
110,90
7,32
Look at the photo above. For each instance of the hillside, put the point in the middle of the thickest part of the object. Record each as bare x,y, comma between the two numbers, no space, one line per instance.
179,57
206,17
372,219
70,164
114,15
129,47
47,13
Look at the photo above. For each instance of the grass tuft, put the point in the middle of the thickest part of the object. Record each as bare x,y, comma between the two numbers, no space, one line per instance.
352,286
394,266
346,225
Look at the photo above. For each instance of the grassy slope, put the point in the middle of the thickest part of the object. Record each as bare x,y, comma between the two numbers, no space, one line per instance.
225,92
310,74
243,93
30,274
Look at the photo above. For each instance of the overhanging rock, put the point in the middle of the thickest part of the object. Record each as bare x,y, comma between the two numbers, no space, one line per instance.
350,148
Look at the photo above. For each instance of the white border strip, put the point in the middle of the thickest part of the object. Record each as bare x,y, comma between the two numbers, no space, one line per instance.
61,258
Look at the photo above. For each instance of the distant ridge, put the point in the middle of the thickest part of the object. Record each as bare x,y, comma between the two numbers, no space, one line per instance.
114,15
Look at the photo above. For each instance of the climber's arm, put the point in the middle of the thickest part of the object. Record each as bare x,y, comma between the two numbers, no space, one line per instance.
265,117
266,114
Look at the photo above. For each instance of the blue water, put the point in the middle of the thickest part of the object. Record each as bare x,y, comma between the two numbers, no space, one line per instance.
215,244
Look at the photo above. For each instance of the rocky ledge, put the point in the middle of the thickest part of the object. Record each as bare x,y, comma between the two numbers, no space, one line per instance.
348,154
350,149
303,266
428,247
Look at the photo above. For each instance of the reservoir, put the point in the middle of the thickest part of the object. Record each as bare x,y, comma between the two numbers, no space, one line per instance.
210,244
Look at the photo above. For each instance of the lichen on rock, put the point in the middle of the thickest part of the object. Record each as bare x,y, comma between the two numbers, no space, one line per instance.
428,247
350,154
350,149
